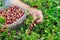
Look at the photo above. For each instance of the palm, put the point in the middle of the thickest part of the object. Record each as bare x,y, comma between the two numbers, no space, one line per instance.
37,14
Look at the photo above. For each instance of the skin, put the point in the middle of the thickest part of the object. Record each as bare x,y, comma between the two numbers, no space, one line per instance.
33,12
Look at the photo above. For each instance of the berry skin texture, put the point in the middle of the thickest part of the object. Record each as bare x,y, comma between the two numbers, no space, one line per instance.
11,14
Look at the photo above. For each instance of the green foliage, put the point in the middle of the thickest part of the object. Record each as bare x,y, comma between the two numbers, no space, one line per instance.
1,3
48,30
32,36
2,20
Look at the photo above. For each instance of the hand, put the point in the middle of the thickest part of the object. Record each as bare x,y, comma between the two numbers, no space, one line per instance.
34,12
37,15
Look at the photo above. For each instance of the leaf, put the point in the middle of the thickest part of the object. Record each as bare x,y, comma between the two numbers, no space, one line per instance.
2,20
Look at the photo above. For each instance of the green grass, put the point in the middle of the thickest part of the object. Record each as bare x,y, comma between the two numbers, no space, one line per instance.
48,30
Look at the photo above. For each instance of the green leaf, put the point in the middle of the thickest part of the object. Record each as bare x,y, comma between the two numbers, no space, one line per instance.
2,20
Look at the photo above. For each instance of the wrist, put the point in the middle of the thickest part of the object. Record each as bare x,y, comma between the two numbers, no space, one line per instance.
24,5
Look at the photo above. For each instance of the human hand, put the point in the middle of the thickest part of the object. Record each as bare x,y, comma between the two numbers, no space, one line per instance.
34,12
37,15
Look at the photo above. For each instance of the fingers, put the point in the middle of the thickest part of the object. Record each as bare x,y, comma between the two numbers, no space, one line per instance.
37,15
39,21
40,15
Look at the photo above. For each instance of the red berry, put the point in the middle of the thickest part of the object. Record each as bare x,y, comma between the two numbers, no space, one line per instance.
12,14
